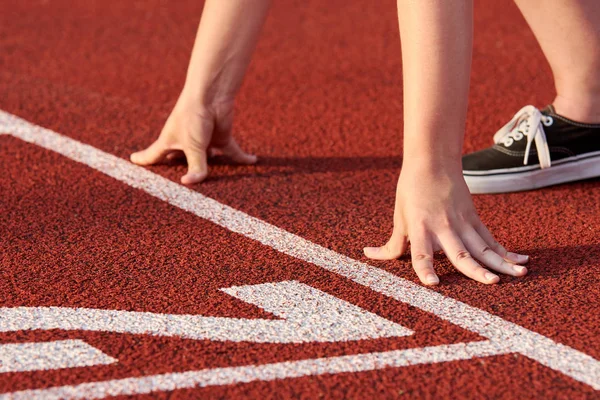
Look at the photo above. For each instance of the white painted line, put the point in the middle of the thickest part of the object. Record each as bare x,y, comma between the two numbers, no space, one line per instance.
559,357
265,372
19,357
315,316
310,316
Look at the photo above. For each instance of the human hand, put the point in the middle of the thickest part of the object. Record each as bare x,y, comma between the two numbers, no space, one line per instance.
196,133
434,211
200,124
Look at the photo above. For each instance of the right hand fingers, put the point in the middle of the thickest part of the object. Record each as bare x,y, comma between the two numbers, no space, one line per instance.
159,152
197,160
197,166
237,155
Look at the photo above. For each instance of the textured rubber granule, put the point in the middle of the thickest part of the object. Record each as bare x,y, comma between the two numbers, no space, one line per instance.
321,106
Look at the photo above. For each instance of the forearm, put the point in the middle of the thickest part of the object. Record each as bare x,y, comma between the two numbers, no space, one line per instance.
436,40
226,38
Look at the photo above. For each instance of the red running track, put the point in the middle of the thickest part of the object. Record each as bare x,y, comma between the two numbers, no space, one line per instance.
321,108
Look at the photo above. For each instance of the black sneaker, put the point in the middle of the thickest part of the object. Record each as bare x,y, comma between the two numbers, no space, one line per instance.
564,151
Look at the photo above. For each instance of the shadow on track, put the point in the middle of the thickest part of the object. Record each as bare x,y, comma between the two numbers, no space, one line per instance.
554,261
267,167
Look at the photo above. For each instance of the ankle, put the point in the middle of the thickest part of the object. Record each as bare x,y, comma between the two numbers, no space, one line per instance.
585,109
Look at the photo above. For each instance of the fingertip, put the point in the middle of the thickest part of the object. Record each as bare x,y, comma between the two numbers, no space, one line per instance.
252,159
148,156
517,258
371,252
431,280
134,157
382,253
193,177
378,253
491,278
245,158
520,270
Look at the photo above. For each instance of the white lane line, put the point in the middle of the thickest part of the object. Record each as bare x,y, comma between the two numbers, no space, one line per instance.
559,357
265,372
19,357
309,316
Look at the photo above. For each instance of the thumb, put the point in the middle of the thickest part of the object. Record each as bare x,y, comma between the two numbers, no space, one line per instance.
152,155
392,250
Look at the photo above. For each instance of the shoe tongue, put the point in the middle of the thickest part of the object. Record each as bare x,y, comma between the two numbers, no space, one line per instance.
549,109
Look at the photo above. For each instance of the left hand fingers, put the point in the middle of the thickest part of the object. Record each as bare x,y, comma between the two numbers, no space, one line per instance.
463,260
237,155
486,235
484,253
421,251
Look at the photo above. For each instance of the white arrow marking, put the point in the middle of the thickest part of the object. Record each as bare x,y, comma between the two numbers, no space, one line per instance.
309,316
19,357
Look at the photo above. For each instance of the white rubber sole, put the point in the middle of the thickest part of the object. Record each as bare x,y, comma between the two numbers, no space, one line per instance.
562,171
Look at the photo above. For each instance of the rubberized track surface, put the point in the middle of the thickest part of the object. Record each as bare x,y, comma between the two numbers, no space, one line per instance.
321,108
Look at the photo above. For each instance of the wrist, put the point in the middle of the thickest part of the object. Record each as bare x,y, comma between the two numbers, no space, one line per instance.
431,164
205,99
433,155
441,150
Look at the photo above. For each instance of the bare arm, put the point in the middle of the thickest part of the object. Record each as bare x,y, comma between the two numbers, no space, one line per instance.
434,209
224,44
202,119
436,61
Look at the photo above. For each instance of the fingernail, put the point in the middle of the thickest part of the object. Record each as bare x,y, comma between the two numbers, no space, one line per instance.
432,279
490,277
519,269
518,257
371,249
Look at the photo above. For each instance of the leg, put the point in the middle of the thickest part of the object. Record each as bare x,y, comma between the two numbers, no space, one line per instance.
569,33
559,144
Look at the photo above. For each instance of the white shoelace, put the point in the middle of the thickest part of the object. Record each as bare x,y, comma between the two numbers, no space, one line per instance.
528,122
